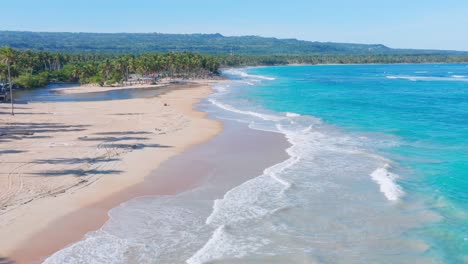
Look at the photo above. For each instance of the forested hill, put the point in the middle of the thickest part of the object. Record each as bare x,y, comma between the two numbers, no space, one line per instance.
135,43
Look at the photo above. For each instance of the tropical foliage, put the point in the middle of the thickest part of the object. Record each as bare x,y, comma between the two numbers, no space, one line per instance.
36,68
235,61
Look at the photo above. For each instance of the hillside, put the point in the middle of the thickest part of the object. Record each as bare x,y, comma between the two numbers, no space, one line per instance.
118,43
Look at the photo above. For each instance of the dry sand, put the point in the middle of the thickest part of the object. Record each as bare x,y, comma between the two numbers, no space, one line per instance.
58,158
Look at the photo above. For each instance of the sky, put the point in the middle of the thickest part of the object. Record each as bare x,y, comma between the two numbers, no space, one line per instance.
422,24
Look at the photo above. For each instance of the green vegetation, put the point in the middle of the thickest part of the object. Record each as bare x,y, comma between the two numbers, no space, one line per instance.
28,80
29,69
268,60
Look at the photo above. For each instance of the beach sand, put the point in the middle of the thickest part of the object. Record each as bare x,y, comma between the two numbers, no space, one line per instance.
57,158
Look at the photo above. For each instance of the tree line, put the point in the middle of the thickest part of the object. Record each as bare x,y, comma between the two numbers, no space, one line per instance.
270,60
30,69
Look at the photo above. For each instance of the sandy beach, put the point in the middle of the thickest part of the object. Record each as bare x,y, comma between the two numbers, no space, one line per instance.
57,158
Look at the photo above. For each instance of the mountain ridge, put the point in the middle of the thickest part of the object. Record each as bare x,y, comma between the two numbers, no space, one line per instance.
76,42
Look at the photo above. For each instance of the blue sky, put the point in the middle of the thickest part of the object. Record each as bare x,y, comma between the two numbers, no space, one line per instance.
433,24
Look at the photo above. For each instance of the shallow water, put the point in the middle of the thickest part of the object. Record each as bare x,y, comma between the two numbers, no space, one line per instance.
47,94
404,127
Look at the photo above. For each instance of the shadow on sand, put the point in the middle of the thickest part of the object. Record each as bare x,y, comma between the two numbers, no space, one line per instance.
22,113
123,133
133,146
78,172
6,261
11,151
111,139
74,160
18,130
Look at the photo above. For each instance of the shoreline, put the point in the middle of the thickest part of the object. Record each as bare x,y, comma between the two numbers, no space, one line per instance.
177,129
215,167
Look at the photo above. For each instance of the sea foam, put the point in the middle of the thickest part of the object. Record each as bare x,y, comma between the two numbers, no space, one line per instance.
386,180
242,74
223,245
243,112
453,78
290,114
458,76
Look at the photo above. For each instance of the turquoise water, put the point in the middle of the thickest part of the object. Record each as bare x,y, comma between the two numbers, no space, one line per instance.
422,109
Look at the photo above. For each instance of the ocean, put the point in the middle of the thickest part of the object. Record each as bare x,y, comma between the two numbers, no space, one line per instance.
376,172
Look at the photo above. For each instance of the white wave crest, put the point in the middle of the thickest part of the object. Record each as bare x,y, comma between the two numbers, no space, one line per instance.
454,78
243,112
243,74
223,245
289,114
246,200
386,180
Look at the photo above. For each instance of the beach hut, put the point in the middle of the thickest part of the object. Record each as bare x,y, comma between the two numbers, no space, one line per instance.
145,79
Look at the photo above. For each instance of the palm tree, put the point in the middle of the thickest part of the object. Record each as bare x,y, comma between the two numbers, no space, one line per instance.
8,57
121,65
106,69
